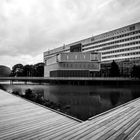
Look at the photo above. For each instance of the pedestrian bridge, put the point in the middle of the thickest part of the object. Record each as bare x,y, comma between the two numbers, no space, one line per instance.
74,80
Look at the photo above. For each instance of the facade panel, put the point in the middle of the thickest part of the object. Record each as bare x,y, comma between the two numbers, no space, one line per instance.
74,62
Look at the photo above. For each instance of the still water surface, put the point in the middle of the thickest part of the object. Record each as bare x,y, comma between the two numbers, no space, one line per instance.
83,102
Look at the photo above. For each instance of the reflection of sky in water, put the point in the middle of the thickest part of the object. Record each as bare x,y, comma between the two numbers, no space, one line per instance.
83,101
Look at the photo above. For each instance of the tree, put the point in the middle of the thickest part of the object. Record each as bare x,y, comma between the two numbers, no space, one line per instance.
36,70
28,70
17,70
114,70
135,71
39,69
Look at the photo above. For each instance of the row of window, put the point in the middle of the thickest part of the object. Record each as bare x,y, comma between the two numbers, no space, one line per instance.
70,73
61,49
121,55
122,50
112,38
121,45
133,59
113,42
80,65
112,33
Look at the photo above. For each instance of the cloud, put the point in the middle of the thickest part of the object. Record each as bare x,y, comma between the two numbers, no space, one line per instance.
10,61
30,27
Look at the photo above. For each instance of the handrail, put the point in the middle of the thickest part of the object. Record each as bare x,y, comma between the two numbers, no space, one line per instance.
72,78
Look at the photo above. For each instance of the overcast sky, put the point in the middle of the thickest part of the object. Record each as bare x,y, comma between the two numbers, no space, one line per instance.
30,27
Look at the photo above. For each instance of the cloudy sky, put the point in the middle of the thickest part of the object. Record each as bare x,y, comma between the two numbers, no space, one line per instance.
30,27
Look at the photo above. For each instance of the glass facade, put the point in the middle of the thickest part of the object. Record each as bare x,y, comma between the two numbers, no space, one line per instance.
70,73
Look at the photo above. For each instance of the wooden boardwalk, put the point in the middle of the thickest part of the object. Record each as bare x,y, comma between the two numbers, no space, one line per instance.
23,120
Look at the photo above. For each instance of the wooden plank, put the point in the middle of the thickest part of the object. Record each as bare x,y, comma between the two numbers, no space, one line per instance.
20,119
84,130
133,130
97,124
100,128
109,133
45,132
28,131
119,130
84,126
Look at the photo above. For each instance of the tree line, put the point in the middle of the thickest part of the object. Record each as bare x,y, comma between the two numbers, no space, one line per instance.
20,70
115,71
135,71
37,70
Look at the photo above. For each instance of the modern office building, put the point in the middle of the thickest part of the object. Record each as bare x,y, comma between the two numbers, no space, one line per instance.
121,45
72,64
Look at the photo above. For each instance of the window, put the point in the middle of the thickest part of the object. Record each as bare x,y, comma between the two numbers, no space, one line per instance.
132,28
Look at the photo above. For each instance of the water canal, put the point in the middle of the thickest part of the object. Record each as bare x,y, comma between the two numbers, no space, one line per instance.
81,102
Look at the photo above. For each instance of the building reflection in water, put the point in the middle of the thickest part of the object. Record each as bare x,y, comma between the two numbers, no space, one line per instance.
82,102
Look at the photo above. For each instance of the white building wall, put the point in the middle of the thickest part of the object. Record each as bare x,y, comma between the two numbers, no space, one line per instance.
109,44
